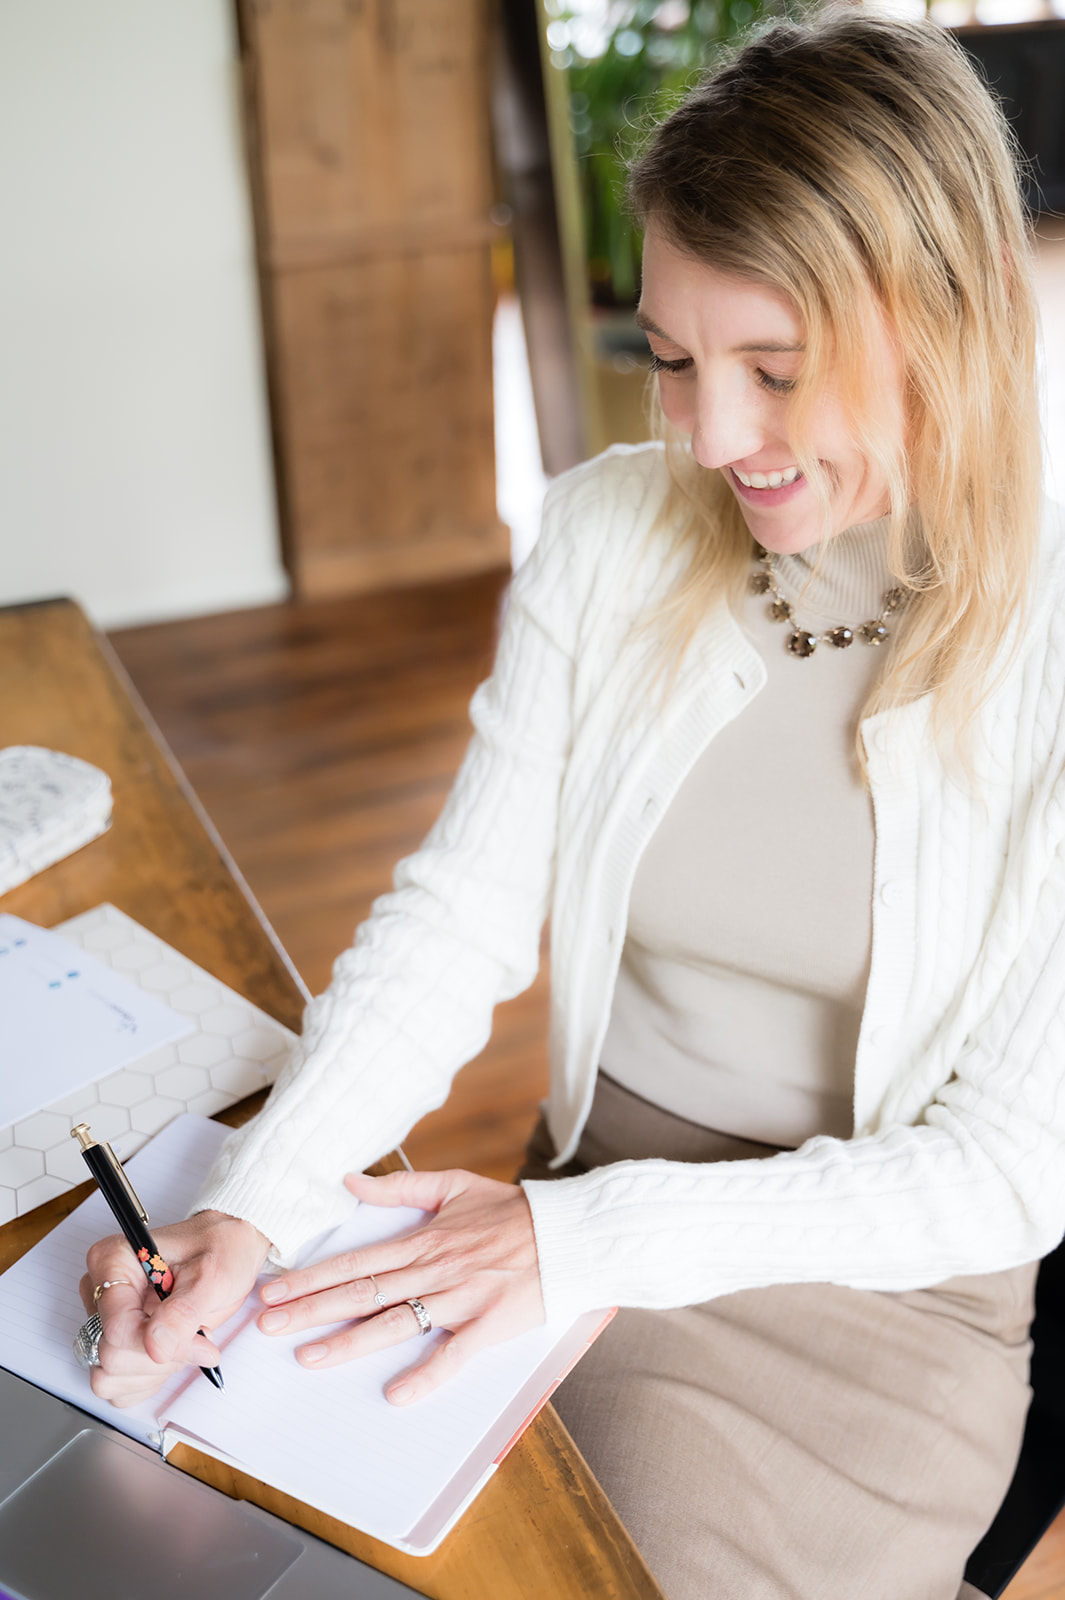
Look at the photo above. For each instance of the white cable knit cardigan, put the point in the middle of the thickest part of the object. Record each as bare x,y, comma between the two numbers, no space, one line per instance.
957,1162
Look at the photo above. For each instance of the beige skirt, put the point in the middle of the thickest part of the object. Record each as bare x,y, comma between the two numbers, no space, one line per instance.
801,1442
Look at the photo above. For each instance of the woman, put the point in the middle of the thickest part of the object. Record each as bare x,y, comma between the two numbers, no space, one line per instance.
805,1123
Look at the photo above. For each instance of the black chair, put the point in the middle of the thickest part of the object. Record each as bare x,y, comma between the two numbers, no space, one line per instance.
1037,1492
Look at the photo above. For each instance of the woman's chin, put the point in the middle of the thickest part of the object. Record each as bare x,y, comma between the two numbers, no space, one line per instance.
785,536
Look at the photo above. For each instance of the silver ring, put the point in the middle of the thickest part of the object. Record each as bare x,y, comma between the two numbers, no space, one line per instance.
378,1297
87,1343
424,1323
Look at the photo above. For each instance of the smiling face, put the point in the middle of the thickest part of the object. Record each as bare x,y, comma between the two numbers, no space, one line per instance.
728,351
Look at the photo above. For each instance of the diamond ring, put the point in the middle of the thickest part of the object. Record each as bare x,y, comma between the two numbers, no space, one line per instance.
108,1283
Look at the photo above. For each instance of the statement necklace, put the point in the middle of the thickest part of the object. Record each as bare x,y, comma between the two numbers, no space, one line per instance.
802,643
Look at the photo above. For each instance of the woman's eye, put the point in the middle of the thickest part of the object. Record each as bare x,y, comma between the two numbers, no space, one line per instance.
775,385
660,364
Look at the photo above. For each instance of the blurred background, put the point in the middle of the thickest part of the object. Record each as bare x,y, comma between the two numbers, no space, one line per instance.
306,297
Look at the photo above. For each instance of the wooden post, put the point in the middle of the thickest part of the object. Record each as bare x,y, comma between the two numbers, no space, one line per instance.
372,173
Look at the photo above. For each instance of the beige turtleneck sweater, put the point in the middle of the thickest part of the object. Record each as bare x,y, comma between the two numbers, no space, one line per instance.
742,981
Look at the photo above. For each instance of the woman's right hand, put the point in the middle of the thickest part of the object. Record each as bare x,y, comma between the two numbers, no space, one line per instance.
215,1260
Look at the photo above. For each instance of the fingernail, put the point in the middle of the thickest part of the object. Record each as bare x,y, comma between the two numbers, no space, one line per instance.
313,1352
274,1321
400,1393
274,1291
164,1340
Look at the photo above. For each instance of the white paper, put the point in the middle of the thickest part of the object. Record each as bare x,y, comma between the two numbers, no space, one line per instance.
67,1019
40,1308
330,1438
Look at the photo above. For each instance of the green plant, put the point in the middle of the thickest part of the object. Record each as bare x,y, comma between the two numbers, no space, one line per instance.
627,63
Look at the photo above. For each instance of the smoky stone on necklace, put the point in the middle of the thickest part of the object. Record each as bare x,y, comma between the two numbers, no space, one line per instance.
800,642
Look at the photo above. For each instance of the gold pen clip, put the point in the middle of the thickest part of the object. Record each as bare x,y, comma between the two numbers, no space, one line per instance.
85,1139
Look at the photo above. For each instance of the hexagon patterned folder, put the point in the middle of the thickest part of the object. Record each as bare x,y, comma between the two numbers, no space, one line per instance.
236,1049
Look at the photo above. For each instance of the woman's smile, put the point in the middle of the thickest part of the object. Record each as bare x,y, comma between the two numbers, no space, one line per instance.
772,488
767,480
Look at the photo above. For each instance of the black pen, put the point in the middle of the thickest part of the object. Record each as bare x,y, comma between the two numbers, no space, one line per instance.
131,1216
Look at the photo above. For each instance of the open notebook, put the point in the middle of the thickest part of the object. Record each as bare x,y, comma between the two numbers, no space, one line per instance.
329,1438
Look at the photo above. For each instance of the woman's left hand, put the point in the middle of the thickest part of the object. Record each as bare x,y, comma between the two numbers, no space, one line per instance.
473,1267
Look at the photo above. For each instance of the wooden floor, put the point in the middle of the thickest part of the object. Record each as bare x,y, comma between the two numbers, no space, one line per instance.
322,739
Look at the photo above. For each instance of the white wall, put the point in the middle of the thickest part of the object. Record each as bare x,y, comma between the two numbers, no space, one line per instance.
520,479
134,449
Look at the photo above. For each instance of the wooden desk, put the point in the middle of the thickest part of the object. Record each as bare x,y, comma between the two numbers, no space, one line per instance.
542,1530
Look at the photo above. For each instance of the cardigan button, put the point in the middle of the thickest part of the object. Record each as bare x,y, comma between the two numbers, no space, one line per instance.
892,893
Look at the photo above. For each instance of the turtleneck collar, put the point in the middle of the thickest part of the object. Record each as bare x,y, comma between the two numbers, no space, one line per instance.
842,580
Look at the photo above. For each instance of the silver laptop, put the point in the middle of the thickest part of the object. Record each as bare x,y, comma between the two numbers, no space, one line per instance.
87,1514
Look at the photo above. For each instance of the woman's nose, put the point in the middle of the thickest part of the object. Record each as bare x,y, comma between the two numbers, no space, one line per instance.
725,428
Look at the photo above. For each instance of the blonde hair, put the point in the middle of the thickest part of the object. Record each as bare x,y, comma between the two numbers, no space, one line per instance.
854,162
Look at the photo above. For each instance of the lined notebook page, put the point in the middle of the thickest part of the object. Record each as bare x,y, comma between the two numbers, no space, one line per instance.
40,1308
331,1439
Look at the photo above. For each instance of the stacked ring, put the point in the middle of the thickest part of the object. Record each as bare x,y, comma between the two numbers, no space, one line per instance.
87,1342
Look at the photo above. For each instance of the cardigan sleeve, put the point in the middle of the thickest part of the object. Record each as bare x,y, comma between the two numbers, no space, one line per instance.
412,999
976,1185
